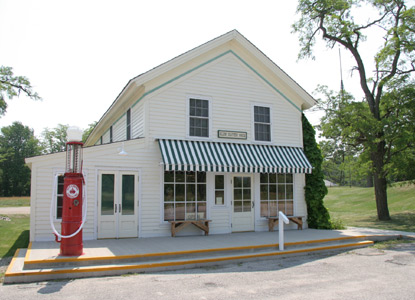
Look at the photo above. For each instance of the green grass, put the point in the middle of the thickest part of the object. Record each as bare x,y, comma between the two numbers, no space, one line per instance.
357,207
14,234
14,201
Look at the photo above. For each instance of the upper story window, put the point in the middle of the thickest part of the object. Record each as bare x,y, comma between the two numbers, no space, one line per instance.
262,123
198,117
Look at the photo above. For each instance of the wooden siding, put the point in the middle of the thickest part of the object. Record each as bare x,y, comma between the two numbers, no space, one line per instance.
120,129
138,120
233,90
106,137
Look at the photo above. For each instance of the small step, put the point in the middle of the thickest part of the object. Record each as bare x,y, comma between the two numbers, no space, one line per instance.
16,274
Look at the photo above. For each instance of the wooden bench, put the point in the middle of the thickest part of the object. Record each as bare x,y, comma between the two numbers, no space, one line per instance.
176,226
272,221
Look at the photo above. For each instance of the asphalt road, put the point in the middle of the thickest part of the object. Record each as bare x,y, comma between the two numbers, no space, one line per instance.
366,273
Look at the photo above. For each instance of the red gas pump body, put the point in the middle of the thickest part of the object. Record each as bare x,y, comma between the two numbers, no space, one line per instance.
72,201
72,215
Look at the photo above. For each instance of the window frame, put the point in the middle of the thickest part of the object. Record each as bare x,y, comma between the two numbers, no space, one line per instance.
188,116
185,201
224,190
277,200
254,123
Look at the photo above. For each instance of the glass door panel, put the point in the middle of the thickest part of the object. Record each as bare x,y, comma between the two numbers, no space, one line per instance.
127,197
107,194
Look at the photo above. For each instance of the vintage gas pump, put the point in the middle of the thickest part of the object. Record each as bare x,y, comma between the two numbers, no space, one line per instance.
72,219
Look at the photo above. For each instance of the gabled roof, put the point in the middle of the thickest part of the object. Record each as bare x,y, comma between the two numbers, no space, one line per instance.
229,43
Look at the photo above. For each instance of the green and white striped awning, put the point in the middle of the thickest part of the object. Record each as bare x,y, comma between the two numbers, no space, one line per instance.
181,155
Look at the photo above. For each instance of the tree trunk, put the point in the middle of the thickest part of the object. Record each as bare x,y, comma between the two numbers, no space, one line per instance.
380,185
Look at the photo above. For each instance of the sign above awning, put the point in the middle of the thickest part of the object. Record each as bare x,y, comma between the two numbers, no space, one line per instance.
185,155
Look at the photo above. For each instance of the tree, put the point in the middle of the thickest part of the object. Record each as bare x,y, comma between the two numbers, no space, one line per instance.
88,131
16,143
11,86
393,65
315,189
54,140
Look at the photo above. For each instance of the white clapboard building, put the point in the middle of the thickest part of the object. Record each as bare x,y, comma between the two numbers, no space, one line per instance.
213,134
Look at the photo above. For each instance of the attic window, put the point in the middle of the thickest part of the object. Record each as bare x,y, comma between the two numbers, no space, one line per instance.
198,117
262,123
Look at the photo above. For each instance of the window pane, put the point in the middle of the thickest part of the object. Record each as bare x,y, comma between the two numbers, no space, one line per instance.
273,178
272,192
289,178
247,182
190,211
237,206
190,176
219,197
247,206
201,210
264,208
219,182
127,197
168,211
264,178
237,194
289,190
264,192
201,177
237,182
169,176
168,192
191,192
281,192
107,194
180,192
180,176
273,211
201,192
281,178
247,194
180,207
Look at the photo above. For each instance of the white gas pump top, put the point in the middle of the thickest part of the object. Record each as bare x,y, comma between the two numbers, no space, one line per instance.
74,134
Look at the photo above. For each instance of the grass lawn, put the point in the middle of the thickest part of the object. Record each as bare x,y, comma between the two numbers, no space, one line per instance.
14,234
14,201
357,207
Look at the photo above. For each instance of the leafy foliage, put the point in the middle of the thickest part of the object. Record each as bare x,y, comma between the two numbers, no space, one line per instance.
11,86
88,131
372,123
315,189
16,143
54,140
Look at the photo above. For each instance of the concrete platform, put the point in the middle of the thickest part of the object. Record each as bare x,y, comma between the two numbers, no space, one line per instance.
41,261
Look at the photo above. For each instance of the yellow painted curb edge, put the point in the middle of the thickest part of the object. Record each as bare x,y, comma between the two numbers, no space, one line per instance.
177,263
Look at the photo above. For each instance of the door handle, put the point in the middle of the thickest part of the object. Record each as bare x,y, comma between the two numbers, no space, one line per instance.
115,208
253,204
119,208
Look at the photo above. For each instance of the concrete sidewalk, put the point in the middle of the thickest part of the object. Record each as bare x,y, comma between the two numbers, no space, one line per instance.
122,247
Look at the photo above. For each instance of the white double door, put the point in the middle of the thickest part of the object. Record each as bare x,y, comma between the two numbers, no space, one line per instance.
242,203
118,204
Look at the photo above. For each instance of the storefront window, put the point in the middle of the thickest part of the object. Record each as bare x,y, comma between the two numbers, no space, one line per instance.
276,194
219,189
184,195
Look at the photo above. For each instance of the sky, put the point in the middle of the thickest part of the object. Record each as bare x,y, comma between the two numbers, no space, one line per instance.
79,55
